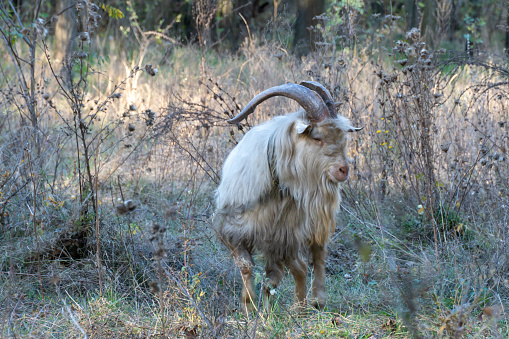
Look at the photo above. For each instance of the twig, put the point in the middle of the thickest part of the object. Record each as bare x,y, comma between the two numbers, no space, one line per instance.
73,319
262,285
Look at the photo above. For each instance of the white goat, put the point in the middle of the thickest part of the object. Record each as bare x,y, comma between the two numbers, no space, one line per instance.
279,191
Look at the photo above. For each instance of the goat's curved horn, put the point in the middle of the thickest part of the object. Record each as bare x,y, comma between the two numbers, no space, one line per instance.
324,93
355,129
312,102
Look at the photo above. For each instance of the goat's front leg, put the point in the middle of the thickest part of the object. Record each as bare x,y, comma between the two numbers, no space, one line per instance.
298,268
245,263
318,286
274,273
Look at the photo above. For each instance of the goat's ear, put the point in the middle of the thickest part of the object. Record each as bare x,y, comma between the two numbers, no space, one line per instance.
302,126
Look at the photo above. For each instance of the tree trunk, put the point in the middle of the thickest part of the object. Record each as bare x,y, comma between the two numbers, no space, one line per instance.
304,38
411,14
428,21
507,35
454,22
65,30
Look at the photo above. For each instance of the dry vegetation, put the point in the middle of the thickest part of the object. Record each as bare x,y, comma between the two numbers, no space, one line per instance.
108,168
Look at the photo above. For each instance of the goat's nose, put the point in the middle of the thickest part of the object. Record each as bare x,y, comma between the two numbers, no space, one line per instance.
340,173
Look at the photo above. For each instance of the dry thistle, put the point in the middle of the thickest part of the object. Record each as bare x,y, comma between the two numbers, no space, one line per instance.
84,36
157,240
53,20
491,311
125,207
39,27
81,55
130,205
154,286
54,279
150,117
150,70
172,212
402,62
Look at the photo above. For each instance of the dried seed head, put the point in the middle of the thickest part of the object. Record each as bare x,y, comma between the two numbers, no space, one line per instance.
81,55
150,70
484,149
130,205
154,286
39,27
483,162
400,46
132,107
116,95
125,207
84,36
150,113
55,279
445,147
414,34
160,253
171,213
410,52
491,311
155,228
402,62
149,121
131,127
121,209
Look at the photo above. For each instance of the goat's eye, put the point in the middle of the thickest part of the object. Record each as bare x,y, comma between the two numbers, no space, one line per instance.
318,141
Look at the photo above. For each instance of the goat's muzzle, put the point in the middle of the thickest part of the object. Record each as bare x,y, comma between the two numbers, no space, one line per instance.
339,173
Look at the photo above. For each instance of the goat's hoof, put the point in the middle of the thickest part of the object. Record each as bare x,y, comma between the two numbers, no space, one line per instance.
247,308
300,308
319,304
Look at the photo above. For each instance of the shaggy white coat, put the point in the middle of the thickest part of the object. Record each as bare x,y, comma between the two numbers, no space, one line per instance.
280,211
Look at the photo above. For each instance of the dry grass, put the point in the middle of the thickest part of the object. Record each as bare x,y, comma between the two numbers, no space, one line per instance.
420,249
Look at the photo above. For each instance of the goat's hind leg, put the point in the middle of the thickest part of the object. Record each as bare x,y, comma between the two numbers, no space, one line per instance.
245,262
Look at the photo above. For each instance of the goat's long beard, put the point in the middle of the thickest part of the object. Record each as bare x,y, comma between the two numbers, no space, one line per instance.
320,205
324,210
